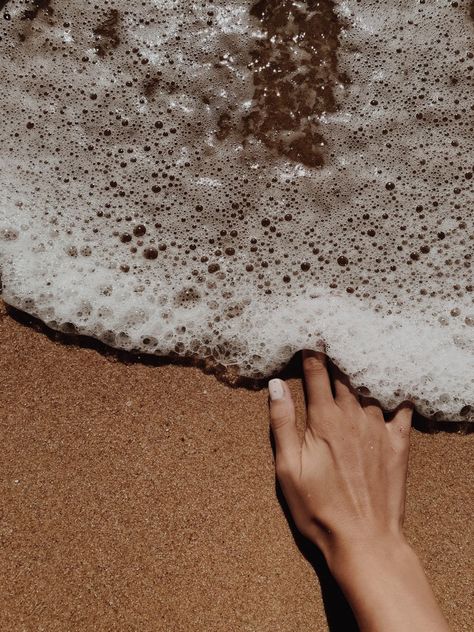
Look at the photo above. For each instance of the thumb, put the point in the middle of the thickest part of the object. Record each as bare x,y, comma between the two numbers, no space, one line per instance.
283,424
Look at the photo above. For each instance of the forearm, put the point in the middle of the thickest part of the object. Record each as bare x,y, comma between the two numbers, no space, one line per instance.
387,588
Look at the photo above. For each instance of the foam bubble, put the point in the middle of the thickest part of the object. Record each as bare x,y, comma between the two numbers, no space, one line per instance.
238,180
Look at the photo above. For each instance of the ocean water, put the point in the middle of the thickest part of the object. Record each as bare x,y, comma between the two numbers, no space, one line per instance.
239,180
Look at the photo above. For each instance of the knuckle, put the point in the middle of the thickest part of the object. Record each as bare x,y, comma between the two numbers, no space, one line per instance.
322,412
314,367
399,454
279,419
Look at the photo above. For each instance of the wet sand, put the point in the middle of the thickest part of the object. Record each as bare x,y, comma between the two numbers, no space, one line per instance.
140,497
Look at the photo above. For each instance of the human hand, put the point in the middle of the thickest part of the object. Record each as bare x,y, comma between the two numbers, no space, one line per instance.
345,485
345,482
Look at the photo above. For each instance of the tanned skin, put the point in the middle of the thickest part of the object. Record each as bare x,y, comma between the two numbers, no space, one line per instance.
345,485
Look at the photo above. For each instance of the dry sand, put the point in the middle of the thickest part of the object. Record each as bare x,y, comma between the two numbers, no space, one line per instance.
141,497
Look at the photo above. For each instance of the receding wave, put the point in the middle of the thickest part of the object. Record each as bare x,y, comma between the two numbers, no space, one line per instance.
238,180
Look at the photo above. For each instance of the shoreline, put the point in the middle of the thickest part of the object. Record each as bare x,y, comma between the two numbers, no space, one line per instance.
207,366
142,496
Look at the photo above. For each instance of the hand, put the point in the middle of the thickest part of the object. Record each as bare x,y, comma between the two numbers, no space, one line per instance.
345,482
345,486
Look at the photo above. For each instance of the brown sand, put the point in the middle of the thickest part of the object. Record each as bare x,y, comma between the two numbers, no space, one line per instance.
138,497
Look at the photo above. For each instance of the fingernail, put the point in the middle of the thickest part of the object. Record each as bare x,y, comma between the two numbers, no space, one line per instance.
276,390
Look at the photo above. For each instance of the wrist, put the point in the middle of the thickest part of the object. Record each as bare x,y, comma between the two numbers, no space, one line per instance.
385,584
351,557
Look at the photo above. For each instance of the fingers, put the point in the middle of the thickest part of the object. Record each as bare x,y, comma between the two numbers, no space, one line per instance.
318,383
344,393
400,424
372,408
283,424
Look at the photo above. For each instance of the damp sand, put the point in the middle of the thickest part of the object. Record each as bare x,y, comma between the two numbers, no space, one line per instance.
140,497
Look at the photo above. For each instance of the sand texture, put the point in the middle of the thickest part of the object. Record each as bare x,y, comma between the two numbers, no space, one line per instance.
141,496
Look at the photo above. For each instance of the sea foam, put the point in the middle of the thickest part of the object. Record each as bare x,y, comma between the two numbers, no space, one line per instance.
239,180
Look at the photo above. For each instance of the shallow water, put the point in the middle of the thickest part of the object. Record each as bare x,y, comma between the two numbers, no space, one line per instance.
238,180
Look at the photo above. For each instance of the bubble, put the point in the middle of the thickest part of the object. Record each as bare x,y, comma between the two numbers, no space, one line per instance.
139,230
246,179
150,253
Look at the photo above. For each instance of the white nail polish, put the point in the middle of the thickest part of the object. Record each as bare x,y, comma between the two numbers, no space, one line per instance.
276,390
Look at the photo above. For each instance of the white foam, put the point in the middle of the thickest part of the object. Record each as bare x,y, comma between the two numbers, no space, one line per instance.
404,329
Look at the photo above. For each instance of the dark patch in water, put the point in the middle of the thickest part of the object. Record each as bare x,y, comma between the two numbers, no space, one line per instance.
187,297
224,125
295,74
106,34
38,5
151,85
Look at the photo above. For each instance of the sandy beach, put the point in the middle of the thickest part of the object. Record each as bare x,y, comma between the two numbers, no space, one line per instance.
142,497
